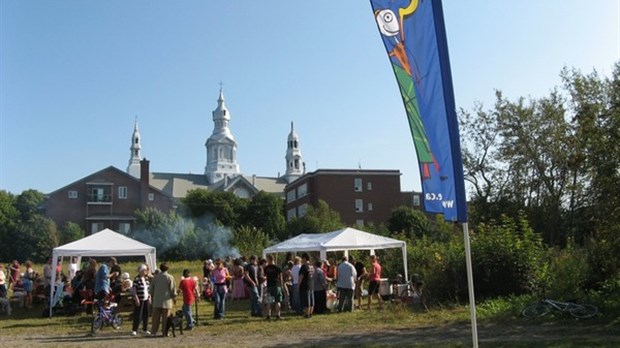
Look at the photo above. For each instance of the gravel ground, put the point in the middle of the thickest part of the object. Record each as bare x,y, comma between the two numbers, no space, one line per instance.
490,335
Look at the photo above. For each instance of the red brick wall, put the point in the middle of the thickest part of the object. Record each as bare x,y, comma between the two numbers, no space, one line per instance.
337,188
61,208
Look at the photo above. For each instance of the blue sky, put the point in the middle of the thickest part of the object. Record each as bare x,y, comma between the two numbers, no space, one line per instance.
75,74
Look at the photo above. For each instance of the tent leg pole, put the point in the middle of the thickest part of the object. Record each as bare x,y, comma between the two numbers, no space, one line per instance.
470,285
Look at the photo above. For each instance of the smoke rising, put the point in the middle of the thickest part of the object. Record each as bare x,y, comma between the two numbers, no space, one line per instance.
177,237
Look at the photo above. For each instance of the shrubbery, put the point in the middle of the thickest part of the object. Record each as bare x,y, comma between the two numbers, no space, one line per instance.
508,258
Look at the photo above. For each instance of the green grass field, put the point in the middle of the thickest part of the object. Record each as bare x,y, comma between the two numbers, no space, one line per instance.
499,325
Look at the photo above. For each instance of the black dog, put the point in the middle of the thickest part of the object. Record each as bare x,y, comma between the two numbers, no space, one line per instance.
173,322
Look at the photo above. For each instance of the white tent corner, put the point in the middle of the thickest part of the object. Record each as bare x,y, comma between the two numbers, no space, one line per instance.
104,243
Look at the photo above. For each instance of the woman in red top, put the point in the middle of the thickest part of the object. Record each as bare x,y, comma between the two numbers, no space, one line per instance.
375,279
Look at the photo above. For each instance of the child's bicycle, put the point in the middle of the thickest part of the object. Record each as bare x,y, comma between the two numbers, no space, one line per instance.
106,315
544,307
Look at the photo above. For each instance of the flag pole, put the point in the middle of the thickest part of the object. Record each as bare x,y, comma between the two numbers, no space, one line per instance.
470,285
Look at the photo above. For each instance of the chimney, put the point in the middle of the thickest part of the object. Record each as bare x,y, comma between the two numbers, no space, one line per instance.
144,171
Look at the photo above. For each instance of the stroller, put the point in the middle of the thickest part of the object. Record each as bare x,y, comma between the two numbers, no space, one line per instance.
60,304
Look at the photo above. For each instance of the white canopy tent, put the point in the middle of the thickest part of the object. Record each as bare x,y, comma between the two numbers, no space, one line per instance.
342,240
104,243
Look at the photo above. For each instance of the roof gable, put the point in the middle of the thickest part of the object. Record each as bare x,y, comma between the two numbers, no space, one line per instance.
99,173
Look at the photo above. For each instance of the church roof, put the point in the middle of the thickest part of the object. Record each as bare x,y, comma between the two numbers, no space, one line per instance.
177,184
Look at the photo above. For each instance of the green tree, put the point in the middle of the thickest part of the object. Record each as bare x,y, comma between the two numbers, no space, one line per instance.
9,217
70,232
595,201
36,239
250,240
214,206
484,169
554,158
28,203
410,221
318,219
24,232
538,145
265,212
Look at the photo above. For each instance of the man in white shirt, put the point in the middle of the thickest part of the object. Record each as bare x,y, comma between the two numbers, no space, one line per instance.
346,284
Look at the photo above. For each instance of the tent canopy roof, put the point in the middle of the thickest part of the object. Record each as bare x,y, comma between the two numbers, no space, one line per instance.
344,239
104,243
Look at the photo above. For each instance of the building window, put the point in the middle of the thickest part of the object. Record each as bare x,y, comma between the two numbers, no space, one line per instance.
96,227
359,205
369,206
357,184
369,186
290,196
124,227
359,222
302,209
302,190
122,192
291,214
73,194
98,195
416,200
151,197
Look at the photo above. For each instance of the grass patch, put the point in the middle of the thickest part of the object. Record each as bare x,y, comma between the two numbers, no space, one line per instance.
499,320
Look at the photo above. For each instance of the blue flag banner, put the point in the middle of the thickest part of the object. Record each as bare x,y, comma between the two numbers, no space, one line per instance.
414,36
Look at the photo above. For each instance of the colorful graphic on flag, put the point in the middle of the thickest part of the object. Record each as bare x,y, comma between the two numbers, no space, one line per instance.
414,36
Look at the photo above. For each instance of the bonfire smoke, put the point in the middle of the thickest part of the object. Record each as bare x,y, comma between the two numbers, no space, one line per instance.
196,238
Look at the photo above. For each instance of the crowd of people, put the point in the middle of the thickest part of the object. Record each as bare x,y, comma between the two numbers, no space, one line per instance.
25,285
299,286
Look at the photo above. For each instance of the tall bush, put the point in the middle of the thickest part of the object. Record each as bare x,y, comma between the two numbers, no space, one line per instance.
505,257
567,271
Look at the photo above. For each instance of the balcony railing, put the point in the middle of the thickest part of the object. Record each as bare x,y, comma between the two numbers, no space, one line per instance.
100,199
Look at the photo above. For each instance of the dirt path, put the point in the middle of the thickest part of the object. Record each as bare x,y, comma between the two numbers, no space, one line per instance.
490,335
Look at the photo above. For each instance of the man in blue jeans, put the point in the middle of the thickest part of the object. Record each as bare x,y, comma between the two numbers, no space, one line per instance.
102,279
189,288
251,280
219,276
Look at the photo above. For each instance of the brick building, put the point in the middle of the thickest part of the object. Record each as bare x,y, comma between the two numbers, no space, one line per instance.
360,196
106,199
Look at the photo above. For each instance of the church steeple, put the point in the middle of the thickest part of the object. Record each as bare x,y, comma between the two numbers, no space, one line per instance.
221,146
135,157
221,117
294,165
